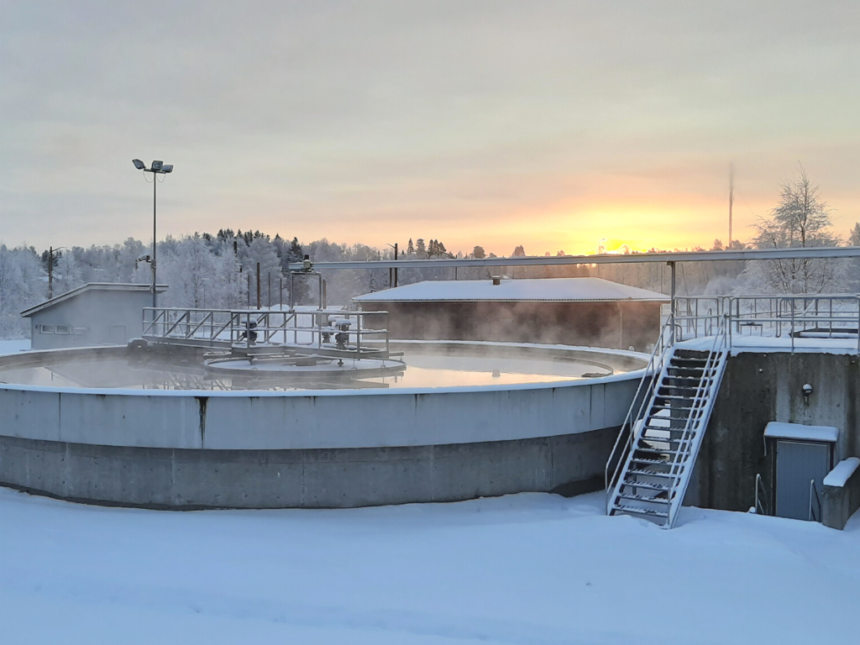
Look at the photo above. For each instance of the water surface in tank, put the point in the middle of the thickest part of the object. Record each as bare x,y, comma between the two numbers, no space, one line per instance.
423,369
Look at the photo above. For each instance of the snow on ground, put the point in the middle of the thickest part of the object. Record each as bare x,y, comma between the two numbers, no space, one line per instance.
14,346
530,569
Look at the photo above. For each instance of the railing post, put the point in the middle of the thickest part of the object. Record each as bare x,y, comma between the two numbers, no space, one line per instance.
673,304
791,333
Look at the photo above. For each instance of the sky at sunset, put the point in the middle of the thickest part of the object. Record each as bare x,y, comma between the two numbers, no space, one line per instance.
553,125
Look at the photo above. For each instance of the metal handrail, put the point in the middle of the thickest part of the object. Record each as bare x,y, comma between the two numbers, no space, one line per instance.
829,314
700,401
654,368
813,494
761,508
237,328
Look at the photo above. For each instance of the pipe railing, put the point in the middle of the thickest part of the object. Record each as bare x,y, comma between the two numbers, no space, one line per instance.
321,329
819,316
814,516
762,503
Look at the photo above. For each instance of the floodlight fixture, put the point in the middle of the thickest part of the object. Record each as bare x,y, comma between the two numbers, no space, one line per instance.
158,168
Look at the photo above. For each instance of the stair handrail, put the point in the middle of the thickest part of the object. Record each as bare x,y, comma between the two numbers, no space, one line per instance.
651,375
761,508
717,347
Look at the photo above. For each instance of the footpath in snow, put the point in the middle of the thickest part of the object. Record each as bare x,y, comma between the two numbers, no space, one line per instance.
531,569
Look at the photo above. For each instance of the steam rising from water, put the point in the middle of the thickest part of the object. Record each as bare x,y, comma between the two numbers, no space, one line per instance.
424,369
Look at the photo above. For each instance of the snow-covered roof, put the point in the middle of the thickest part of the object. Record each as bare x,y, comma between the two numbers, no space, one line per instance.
92,286
549,289
840,475
778,430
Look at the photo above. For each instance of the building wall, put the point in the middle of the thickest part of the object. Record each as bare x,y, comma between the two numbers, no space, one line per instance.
94,317
758,388
594,324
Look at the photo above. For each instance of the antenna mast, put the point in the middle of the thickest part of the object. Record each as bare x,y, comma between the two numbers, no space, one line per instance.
731,200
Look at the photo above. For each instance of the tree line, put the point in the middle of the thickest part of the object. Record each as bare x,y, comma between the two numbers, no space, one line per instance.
220,270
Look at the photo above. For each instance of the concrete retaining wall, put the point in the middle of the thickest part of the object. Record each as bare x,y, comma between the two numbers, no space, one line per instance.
758,388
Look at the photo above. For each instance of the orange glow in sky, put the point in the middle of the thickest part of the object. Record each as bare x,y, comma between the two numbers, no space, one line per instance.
545,125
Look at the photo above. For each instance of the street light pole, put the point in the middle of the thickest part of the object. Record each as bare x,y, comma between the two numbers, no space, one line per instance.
154,245
157,168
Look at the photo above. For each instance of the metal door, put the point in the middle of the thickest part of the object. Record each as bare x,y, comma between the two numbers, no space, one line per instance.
798,462
118,335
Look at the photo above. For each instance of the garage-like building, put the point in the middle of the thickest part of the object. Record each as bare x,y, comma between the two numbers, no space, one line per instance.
571,311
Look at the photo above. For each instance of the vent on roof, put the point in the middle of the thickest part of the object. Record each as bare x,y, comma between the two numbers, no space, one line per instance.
497,280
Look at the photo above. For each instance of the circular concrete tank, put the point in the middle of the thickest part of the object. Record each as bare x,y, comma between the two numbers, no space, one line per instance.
389,442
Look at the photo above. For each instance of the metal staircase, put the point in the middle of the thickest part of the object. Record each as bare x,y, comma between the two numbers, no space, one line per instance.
651,463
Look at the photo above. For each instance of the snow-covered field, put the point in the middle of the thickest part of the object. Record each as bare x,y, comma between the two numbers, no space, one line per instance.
529,569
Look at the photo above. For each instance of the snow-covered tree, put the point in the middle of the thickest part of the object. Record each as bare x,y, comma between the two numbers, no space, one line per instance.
800,220
23,283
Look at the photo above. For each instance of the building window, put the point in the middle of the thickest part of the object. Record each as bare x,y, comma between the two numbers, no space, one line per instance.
47,329
80,331
64,329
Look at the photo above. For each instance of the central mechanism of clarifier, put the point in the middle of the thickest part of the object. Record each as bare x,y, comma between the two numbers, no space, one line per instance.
296,343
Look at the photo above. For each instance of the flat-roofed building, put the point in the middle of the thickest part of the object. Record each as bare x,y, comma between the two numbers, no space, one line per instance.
98,313
571,311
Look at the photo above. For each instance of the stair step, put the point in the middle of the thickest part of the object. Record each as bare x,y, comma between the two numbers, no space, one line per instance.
626,508
659,451
688,384
651,461
654,473
684,420
683,351
691,429
644,498
648,485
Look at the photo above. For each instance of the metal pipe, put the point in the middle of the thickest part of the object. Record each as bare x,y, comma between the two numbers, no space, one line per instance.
633,258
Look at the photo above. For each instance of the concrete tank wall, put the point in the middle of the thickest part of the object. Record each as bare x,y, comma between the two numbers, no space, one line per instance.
321,449
337,478
289,420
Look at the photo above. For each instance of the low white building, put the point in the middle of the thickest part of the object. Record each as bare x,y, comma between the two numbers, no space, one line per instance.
94,314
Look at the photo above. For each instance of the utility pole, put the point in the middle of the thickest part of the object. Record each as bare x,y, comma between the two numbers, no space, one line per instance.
51,250
50,272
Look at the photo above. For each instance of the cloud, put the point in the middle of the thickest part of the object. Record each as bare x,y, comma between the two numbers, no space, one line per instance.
367,121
